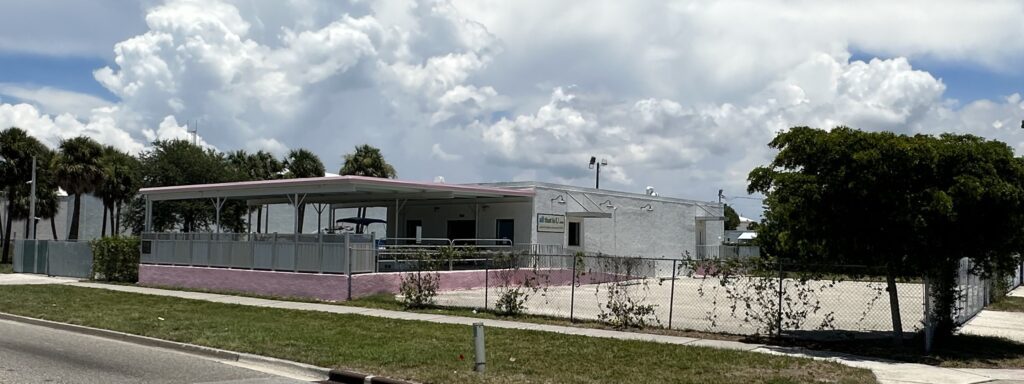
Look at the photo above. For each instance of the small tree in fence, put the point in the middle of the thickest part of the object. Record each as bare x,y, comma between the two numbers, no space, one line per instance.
626,293
515,285
419,287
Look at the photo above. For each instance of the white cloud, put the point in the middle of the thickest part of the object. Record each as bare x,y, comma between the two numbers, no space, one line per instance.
54,101
438,153
680,95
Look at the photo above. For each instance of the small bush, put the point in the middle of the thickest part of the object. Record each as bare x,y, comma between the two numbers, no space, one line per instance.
419,288
115,258
511,301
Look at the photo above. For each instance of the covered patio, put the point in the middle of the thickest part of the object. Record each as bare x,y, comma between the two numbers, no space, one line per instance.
323,251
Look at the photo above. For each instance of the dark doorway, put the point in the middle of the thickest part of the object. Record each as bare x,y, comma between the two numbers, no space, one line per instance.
506,229
461,229
574,234
410,228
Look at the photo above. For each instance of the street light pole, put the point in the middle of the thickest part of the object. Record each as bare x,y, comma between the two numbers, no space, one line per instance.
593,163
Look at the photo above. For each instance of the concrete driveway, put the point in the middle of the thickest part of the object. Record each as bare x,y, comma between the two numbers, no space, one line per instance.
1009,325
25,278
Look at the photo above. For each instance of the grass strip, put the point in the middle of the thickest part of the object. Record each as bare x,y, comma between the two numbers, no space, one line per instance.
426,352
1008,304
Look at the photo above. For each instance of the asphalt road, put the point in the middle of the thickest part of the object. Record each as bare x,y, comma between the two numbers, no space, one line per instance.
34,354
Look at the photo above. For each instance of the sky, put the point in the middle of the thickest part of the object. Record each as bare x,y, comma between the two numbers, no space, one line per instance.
682,96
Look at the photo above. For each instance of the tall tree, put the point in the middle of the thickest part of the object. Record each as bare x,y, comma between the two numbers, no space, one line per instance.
47,201
366,161
179,162
732,219
256,166
16,149
120,183
900,202
78,170
301,163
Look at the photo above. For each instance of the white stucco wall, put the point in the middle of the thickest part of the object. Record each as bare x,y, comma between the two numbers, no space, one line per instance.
90,220
667,230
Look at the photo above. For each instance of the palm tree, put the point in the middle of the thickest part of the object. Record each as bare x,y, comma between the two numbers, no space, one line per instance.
78,170
366,161
120,183
302,163
16,149
256,166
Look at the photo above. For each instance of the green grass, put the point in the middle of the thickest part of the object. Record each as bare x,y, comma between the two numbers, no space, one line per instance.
1008,304
419,351
388,302
959,351
6,268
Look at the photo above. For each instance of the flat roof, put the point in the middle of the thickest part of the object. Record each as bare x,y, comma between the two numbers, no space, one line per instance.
333,189
593,191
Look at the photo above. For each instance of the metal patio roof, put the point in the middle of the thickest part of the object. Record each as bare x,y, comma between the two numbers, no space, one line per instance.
332,189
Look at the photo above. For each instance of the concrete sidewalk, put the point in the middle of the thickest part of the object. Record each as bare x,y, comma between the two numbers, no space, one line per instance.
1008,325
26,279
887,372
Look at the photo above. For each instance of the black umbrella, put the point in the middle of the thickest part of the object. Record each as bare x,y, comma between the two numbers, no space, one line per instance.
360,221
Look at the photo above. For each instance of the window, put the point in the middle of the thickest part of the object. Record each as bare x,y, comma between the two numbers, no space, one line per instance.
505,229
574,234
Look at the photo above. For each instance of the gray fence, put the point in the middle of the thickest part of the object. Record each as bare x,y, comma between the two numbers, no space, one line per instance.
320,253
54,258
975,292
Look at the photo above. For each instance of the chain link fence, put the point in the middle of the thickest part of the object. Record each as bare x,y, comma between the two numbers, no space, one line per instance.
744,297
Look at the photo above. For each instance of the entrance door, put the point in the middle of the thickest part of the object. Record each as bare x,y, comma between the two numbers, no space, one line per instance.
410,227
461,229
506,229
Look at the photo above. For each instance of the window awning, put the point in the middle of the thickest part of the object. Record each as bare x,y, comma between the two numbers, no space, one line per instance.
589,215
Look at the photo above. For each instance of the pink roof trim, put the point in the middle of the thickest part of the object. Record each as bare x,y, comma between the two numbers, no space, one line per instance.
338,179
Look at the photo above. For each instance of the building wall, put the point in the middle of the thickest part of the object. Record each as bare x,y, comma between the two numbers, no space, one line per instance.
90,220
667,230
435,219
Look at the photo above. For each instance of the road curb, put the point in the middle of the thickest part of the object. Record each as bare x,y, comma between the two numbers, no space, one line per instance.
320,373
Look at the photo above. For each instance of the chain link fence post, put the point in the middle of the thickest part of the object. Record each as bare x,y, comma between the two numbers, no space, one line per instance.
672,294
487,280
572,291
778,319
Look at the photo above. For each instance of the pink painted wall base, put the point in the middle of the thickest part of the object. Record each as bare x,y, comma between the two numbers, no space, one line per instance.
335,287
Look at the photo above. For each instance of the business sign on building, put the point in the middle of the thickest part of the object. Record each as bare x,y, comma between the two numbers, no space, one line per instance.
550,223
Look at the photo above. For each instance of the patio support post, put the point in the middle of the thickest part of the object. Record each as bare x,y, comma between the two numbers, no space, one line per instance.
149,215
248,219
218,203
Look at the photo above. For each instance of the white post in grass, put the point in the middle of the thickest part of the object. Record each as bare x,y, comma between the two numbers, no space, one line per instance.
481,356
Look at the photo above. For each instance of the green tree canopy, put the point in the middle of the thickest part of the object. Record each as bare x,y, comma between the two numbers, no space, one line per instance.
78,170
367,161
303,163
179,162
121,181
732,219
910,204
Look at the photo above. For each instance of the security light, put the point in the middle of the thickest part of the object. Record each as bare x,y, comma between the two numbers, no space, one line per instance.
604,161
647,208
593,160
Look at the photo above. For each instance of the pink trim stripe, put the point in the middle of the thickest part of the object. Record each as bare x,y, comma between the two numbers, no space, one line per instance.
355,180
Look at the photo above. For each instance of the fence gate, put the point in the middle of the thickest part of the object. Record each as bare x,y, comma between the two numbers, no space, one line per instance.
54,258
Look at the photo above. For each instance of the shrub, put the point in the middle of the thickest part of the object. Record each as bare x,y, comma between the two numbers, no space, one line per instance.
625,307
515,286
115,258
418,288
